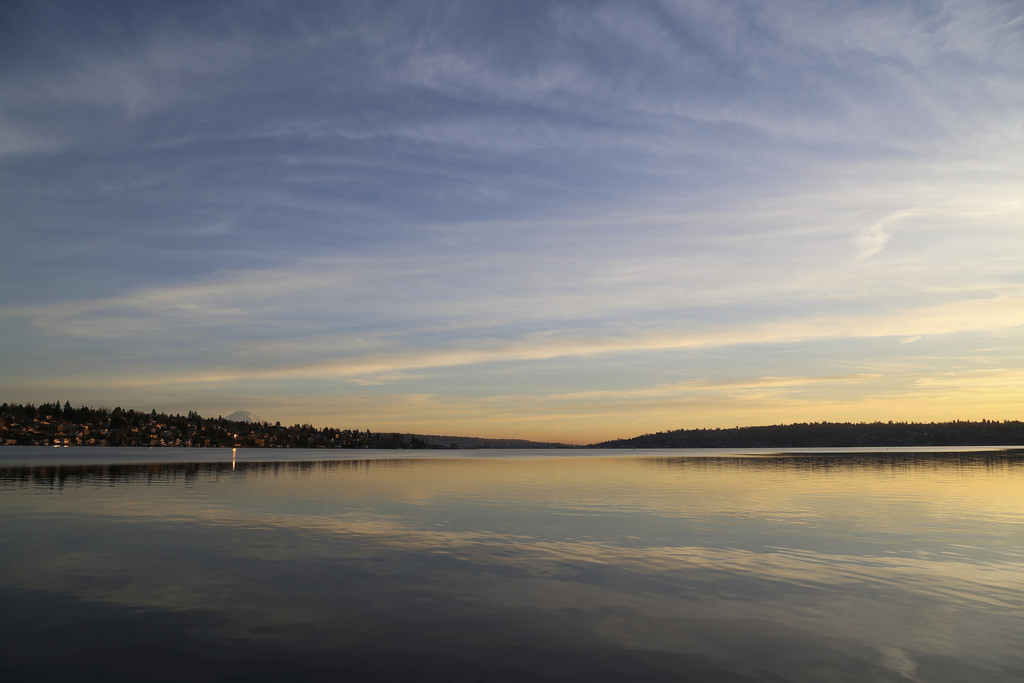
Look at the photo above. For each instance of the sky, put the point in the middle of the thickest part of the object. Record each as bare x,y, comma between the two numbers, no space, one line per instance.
558,221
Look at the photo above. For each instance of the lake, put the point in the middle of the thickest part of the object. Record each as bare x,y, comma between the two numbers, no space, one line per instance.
191,565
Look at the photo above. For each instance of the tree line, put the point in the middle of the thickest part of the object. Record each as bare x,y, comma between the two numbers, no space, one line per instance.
835,435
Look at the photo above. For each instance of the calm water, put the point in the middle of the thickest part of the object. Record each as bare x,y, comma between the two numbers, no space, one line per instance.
168,565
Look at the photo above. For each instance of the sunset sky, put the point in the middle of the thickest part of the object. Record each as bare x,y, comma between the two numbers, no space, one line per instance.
566,221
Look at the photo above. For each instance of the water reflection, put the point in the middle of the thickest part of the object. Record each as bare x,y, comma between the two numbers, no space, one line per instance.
812,567
56,476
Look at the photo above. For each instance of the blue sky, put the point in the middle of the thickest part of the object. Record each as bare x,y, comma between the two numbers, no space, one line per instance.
565,221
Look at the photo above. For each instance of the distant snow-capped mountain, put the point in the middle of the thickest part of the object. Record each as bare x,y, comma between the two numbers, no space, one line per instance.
243,416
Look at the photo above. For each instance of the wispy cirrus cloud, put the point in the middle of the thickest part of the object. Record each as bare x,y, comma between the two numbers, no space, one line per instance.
872,239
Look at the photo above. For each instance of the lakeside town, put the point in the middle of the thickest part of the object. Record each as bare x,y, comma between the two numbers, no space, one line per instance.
53,424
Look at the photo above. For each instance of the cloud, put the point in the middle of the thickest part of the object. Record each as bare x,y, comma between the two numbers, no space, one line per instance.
707,386
872,239
376,357
84,99
968,316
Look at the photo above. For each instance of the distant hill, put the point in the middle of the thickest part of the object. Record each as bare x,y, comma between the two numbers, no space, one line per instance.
477,442
834,435
429,440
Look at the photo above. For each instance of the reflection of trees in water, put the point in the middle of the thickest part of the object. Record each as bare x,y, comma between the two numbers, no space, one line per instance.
874,461
59,476
56,477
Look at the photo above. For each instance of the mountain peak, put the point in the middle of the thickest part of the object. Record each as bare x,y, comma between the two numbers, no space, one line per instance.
243,416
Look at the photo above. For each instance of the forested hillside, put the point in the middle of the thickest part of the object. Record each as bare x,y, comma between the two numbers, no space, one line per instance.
835,434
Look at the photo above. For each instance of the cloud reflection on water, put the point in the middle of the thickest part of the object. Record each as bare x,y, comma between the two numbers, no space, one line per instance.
712,558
